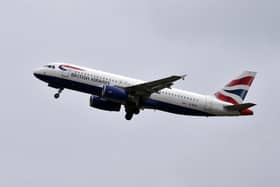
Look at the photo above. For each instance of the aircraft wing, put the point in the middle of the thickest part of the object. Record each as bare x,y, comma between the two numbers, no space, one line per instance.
148,88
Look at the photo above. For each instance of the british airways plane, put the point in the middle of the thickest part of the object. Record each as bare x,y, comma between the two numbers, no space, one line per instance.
109,92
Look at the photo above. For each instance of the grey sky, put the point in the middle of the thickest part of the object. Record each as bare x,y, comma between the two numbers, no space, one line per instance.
44,142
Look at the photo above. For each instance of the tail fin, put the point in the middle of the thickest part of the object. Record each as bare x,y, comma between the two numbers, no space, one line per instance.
236,91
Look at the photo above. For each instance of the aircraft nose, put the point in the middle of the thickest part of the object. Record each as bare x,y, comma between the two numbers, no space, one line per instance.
38,73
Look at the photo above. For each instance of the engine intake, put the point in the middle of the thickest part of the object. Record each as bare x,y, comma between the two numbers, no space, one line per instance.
103,104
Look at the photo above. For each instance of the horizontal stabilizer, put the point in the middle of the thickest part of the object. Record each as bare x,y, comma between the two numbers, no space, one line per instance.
240,107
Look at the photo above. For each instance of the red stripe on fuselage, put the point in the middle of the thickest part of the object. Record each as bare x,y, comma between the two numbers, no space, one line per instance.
72,67
243,81
225,98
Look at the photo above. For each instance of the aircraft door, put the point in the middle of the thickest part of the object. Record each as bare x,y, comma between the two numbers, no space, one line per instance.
65,74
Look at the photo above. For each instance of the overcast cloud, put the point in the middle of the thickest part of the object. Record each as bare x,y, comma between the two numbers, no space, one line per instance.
46,142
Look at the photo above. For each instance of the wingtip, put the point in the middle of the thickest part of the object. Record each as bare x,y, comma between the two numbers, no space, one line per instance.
184,76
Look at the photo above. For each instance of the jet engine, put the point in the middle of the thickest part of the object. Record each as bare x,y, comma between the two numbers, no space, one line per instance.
115,94
104,104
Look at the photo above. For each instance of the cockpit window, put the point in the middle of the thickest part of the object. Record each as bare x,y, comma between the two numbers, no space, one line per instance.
50,66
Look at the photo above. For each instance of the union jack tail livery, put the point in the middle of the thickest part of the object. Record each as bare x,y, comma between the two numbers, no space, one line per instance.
236,91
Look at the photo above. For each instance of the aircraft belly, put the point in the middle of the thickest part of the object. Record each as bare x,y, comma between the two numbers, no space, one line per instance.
73,85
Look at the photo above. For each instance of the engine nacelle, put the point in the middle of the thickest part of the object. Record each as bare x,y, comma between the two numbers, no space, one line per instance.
103,104
115,94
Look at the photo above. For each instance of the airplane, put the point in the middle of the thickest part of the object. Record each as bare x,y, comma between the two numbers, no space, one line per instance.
109,92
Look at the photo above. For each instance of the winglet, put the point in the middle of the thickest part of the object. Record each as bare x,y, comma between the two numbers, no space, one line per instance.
184,76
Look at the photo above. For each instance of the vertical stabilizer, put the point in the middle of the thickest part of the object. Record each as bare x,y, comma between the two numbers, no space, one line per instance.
236,91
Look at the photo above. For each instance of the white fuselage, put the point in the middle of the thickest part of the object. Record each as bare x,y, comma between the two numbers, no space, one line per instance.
172,97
